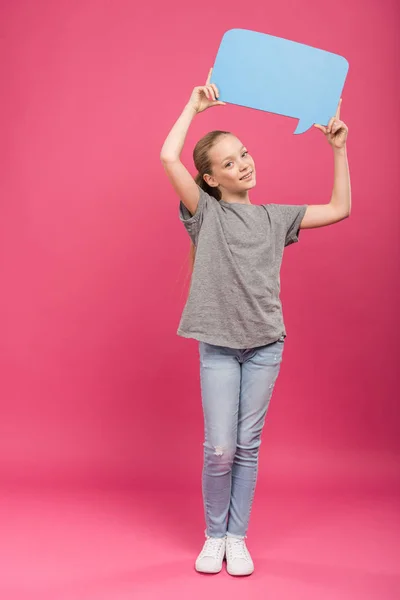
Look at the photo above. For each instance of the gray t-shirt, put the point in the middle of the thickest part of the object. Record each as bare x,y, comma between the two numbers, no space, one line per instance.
234,292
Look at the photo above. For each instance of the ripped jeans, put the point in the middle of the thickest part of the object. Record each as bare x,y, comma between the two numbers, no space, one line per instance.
236,388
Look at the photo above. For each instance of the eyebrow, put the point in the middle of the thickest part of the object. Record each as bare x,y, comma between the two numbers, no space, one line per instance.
231,156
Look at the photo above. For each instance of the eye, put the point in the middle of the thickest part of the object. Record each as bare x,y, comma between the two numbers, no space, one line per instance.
245,152
227,164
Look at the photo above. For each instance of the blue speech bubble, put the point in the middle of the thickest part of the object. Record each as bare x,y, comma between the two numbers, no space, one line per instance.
280,76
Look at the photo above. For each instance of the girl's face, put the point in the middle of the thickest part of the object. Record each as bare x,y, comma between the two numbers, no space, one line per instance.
232,166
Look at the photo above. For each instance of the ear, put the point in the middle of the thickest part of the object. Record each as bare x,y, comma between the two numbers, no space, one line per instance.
209,179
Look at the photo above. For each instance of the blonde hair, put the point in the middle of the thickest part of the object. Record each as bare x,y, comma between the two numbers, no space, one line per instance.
202,162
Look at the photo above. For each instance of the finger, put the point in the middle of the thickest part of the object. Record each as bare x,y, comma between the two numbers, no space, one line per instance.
212,92
209,76
215,90
206,92
321,128
336,126
338,109
330,124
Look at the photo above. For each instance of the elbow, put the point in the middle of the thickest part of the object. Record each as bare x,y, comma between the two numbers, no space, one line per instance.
168,158
344,214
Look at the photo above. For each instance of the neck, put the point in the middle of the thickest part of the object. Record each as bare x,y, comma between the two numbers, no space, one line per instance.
238,198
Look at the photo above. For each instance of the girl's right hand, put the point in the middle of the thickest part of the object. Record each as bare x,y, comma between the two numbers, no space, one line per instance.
204,96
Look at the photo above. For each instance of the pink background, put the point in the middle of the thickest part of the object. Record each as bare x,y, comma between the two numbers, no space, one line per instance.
96,388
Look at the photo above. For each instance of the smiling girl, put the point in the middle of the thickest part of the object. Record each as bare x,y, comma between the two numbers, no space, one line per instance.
234,309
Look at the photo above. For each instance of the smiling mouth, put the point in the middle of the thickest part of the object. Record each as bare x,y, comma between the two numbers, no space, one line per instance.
247,176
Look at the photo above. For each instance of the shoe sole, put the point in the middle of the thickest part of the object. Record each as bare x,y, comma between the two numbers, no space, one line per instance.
240,574
208,572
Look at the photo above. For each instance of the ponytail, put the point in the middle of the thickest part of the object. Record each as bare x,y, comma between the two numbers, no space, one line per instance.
203,165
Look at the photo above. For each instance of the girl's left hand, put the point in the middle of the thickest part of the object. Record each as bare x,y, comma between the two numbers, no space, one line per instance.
336,131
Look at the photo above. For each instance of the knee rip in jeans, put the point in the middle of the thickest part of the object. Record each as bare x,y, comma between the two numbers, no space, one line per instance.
218,450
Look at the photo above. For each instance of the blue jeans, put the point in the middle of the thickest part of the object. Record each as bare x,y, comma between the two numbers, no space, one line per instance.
236,388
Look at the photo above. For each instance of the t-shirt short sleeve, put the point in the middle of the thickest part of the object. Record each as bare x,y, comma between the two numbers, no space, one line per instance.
290,216
194,222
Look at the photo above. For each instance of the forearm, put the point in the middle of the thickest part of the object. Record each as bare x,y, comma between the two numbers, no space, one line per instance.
173,144
341,194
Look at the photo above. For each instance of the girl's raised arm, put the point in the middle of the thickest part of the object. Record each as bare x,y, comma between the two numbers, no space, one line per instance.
202,98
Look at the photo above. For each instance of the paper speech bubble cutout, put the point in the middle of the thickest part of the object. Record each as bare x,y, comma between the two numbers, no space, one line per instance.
276,75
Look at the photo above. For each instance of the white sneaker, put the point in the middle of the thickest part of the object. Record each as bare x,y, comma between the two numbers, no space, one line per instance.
212,555
238,557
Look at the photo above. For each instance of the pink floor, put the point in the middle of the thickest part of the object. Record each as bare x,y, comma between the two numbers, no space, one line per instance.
115,545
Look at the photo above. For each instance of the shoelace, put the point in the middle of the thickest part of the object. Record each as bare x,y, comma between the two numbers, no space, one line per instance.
212,547
237,549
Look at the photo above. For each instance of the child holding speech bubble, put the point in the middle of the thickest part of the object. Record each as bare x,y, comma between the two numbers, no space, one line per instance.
234,309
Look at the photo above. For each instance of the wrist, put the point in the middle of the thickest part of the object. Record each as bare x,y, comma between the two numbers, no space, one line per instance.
340,151
189,108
